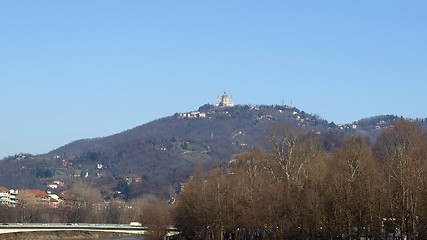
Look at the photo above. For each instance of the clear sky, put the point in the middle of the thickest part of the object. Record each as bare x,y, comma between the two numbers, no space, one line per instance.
82,69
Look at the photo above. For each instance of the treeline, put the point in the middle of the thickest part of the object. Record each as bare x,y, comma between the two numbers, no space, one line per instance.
292,189
87,206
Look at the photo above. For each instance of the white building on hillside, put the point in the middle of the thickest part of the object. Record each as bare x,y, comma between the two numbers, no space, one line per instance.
8,197
224,101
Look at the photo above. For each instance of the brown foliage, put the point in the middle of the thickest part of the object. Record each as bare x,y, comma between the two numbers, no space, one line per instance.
157,217
89,206
293,190
403,153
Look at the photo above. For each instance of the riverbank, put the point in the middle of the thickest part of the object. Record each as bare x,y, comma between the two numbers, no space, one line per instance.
55,235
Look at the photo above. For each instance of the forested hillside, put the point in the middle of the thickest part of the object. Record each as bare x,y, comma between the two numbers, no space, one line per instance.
158,156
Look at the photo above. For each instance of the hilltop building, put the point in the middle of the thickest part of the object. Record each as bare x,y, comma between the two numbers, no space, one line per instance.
224,101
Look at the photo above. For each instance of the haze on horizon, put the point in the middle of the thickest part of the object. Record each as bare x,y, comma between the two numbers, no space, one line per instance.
73,70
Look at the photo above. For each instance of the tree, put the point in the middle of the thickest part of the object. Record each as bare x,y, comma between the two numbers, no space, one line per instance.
157,218
45,172
402,151
191,215
90,204
290,190
134,212
124,187
352,189
291,153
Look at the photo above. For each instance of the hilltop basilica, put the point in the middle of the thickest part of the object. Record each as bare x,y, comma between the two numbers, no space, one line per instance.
224,101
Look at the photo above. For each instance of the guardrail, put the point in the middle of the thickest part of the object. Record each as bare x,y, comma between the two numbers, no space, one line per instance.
39,227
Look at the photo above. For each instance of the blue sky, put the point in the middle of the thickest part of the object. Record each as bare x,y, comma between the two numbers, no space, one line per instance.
81,69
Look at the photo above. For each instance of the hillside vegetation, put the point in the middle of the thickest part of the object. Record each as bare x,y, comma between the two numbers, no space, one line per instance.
155,158
293,189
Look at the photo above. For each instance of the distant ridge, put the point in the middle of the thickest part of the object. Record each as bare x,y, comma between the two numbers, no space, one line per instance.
156,157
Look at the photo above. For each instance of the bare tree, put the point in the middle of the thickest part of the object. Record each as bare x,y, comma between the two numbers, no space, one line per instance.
157,217
352,190
290,153
292,190
29,209
133,211
192,215
90,204
403,152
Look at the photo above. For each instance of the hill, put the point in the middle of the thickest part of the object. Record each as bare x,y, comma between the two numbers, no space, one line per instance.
156,157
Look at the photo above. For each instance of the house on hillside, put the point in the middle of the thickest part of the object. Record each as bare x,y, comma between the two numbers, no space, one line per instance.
8,197
52,186
34,197
4,196
55,201
67,200
13,197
